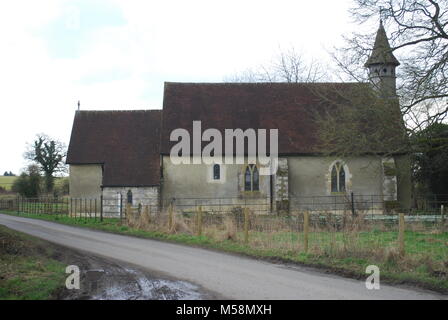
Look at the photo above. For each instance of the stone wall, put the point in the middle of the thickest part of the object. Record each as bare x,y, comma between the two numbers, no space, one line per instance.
191,184
309,183
280,186
112,205
389,179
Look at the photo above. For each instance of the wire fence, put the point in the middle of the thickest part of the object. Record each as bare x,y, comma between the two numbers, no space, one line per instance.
320,225
341,235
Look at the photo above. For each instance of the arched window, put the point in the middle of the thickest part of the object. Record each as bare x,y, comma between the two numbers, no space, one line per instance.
216,172
251,178
255,179
338,178
248,179
129,196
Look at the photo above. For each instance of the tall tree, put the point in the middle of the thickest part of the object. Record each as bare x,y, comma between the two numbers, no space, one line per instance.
419,36
431,159
49,154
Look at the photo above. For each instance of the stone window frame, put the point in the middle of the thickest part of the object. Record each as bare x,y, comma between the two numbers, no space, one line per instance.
253,168
347,175
129,197
211,173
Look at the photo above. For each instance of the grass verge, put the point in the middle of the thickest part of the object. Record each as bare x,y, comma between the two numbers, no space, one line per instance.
425,264
27,271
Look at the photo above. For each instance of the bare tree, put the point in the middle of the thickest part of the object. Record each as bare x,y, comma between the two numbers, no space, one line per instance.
419,36
287,66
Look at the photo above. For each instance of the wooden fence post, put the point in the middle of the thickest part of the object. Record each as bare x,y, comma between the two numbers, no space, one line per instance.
121,206
246,225
101,208
199,220
128,212
442,212
401,248
352,203
170,216
306,223
147,214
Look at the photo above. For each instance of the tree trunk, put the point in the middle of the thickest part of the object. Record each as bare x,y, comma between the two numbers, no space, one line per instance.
49,183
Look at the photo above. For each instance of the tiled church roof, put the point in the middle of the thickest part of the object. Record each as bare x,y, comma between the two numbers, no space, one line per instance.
289,107
127,143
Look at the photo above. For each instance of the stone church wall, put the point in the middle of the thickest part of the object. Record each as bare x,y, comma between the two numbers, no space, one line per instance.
112,205
192,184
85,181
310,183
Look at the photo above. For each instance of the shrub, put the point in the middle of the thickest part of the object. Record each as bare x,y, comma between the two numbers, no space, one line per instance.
61,187
28,184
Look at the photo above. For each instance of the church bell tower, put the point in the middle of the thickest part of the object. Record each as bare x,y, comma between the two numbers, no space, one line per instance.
382,64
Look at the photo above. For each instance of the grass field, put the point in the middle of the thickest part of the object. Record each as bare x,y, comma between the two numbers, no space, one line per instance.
425,263
27,271
6,182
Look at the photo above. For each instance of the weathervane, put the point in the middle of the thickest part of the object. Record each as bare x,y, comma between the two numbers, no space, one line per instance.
381,14
79,104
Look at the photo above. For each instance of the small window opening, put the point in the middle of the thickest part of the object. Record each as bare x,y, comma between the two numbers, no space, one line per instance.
216,172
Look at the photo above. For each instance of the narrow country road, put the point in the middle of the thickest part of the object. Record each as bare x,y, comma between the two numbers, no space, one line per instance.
228,276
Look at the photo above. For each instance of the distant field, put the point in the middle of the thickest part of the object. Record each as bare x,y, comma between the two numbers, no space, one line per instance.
6,182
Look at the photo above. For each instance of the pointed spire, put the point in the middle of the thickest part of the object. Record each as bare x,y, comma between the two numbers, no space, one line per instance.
382,52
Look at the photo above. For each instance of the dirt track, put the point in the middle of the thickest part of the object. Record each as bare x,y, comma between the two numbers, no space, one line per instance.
226,275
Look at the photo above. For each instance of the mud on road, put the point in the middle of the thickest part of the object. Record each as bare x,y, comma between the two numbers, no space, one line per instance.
105,279
28,264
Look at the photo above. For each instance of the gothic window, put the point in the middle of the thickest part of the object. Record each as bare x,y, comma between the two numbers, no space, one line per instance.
247,180
334,179
216,172
338,178
251,178
129,196
255,179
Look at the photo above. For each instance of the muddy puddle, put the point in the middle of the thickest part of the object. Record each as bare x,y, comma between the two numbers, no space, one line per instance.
105,279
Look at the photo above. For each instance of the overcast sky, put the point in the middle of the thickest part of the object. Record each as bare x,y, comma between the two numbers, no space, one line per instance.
117,54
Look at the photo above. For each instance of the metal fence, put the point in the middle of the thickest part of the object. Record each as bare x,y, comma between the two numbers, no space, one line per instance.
335,204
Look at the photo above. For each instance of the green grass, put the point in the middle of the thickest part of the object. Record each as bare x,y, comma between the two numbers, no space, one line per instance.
60,207
425,263
27,271
6,182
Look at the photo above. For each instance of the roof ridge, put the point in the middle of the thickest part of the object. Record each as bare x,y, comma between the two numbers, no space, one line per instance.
260,83
122,110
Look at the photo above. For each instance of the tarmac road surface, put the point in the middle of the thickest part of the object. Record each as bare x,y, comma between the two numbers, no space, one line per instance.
227,276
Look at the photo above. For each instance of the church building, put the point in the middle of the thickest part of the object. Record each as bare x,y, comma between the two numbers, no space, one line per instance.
124,156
